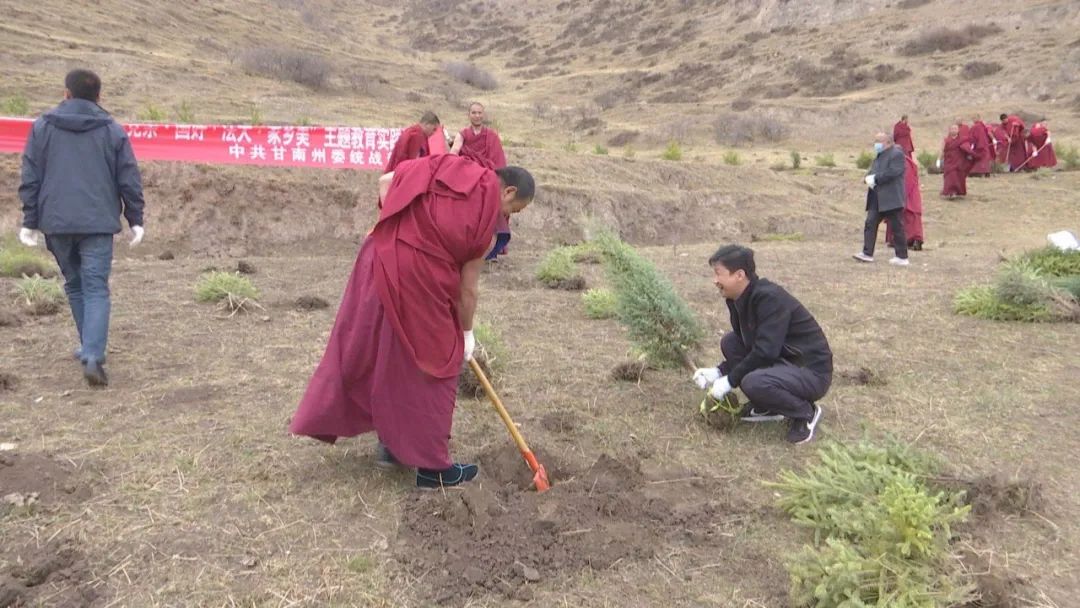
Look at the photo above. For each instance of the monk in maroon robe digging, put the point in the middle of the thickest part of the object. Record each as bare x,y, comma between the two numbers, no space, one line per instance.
405,323
1042,149
983,147
1001,141
1018,151
954,157
413,142
482,144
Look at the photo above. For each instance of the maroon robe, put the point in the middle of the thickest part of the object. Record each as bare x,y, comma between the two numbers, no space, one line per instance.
901,133
410,145
486,148
913,228
965,136
1002,144
1040,141
954,163
1018,152
393,357
983,148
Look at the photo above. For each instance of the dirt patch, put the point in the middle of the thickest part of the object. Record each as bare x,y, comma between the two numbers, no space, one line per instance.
468,384
166,256
8,382
629,371
36,480
55,575
995,587
576,283
864,376
996,494
311,303
245,267
561,422
471,541
9,319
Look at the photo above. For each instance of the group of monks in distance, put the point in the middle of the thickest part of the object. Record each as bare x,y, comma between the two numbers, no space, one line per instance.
973,150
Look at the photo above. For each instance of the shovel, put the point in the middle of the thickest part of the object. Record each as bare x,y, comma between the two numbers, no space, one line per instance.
540,478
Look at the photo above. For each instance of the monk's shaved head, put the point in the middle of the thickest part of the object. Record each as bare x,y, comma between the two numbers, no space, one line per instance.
476,114
429,118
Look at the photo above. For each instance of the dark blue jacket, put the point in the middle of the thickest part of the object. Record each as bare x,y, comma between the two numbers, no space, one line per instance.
79,173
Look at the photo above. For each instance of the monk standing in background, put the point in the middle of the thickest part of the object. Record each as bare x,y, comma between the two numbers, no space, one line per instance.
405,323
954,154
964,132
413,142
1018,153
1001,140
1043,153
482,144
983,147
912,216
902,136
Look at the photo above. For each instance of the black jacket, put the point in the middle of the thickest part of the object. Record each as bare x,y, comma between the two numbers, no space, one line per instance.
79,173
774,326
888,192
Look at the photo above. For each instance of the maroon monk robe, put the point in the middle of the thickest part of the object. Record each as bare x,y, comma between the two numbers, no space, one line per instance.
393,357
1040,141
983,147
913,228
1018,151
902,137
411,144
954,165
965,136
1002,145
486,148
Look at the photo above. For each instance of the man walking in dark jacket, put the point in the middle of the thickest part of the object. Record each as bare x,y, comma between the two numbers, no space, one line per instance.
78,175
885,199
776,352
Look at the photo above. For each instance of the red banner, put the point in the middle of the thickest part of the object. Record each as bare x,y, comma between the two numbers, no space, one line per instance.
282,146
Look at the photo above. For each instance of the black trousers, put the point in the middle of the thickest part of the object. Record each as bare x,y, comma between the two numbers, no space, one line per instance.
895,219
784,388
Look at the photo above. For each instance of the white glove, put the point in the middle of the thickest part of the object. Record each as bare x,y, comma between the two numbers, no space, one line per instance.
1034,154
1047,139
138,232
870,180
28,237
939,163
470,345
720,388
705,376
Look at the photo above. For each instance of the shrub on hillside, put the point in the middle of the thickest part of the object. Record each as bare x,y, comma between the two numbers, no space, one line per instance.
733,130
471,75
864,160
283,63
825,160
928,160
732,158
672,152
946,39
980,69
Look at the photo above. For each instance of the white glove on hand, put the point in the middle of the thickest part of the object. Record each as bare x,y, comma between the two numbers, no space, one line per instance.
939,163
470,345
720,388
1047,139
138,231
870,180
1035,154
705,376
28,237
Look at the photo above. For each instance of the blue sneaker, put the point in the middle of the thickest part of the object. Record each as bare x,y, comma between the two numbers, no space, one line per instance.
457,474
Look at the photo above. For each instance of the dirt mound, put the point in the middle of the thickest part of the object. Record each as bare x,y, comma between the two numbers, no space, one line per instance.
471,541
561,422
311,303
57,572
8,382
246,267
628,371
864,376
574,283
35,480
9,318
996,494
468,384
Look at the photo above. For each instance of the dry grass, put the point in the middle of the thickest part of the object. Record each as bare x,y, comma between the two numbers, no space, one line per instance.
945,40
980,69
311,70
471,75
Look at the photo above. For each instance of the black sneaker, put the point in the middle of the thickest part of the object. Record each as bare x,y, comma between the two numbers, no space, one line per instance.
802,431
750,414
384,459
95,374
457,474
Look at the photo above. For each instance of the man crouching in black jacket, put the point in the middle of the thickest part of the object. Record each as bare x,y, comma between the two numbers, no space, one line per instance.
776,352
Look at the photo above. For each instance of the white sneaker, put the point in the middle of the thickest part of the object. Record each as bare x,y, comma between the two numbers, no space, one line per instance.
862,257
900,262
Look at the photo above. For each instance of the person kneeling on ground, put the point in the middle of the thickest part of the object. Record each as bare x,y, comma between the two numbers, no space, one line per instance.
776,352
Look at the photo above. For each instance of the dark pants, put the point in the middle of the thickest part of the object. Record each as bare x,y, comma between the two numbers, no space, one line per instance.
784,388
501,240
873,219
85,260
